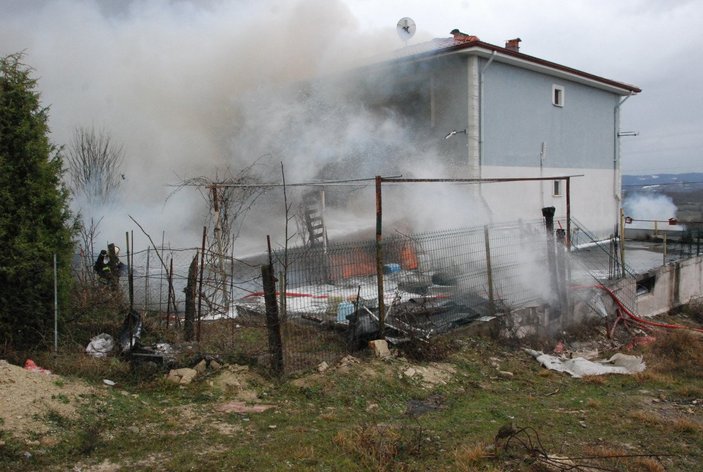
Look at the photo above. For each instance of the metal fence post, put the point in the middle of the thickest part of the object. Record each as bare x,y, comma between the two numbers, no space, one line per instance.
273,325
379,257
489,269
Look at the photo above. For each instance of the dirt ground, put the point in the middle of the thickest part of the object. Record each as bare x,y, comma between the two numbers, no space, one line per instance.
28,397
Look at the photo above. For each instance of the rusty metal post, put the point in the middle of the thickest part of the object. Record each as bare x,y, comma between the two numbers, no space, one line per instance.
379,256
169,280
489,269
273,324
200,291
130,280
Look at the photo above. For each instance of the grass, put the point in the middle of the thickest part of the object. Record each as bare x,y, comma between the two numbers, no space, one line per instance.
357,418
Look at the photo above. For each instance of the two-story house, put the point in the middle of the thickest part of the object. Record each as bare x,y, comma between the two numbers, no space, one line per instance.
490,112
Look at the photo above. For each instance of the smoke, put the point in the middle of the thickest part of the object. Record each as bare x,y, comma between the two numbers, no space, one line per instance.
644,206
192,88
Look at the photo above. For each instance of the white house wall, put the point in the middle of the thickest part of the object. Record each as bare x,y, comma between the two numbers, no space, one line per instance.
524,200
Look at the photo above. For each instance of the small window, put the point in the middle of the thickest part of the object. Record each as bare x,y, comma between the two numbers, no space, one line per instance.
557,188
557,95
646,284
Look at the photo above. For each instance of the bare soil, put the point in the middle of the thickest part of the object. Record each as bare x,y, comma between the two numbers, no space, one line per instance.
28,397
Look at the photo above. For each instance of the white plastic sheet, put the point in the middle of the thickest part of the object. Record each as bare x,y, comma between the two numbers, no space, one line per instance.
580,367
100,346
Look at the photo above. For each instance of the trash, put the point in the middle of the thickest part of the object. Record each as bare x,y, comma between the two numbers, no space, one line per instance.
344,309
391,268
109,382
130,332
100,345
580,367
31,366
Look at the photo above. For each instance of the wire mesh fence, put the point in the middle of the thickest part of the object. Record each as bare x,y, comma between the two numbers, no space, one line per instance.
328,296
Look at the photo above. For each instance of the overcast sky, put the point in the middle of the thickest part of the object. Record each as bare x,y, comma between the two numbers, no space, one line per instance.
79,48
654,44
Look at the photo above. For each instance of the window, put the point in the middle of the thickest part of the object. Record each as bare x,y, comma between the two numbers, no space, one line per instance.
646,284
557,95
557,188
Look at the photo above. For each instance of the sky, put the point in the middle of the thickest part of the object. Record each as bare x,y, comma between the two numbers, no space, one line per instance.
173,80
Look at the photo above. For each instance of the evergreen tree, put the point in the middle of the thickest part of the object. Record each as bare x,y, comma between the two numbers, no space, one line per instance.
34,215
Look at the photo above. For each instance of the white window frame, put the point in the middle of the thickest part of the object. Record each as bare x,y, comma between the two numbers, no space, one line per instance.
558,95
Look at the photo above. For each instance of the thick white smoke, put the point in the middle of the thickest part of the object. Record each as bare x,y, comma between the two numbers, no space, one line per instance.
652,207
192,88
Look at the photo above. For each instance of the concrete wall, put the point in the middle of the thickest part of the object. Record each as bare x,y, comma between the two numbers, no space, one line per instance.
676,284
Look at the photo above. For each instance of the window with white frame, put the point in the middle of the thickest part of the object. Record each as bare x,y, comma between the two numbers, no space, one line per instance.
558,95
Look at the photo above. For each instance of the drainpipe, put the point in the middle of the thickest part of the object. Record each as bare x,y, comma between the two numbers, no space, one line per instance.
480,131
617,190
616,153
480,105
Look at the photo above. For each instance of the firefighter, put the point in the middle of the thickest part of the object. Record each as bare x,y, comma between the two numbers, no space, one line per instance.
102,266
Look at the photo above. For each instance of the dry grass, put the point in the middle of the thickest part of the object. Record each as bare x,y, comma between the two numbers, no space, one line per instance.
468,456
595,379
652,376
647,464
376,446
593,404
647,418
677,352
685,425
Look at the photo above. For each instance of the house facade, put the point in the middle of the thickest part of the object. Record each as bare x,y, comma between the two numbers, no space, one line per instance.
494,112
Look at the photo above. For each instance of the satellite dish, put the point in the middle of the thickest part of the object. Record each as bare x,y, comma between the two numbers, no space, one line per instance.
406,28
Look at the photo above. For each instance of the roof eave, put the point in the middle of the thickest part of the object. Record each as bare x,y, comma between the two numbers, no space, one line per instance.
526,61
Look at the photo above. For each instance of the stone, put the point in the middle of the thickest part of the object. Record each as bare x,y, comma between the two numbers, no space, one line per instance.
322,366
214,365
409,372
181,376
380,348
201,367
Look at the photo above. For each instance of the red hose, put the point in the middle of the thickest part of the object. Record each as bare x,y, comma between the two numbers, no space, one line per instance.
642,320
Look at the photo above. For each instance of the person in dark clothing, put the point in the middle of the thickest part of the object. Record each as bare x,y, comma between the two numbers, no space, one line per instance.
102,265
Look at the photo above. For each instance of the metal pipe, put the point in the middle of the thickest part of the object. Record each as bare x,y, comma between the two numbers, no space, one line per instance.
379,255
481,115
568,213
475,181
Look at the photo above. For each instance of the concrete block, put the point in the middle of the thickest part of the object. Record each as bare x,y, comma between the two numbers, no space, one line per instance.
379,348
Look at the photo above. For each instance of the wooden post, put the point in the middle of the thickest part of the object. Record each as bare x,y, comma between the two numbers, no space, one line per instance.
379,257
273,325
190,292
489,269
